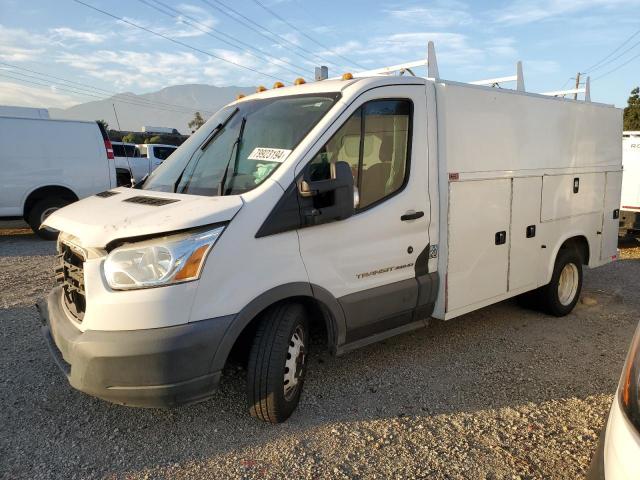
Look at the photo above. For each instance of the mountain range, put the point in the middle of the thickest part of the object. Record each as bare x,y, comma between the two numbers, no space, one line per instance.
172,107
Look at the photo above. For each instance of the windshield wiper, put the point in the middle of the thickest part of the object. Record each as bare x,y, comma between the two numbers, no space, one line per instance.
236,146
214,133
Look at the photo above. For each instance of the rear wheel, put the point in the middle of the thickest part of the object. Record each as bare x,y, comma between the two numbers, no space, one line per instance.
277,367
561,294
39,213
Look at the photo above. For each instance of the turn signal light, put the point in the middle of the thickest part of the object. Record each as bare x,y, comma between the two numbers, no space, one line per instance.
347,76
261,88
192,265
299,81
278,85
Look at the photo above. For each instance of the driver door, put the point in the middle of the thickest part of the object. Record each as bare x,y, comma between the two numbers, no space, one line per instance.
370,261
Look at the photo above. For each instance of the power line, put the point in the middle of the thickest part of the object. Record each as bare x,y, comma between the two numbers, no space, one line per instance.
85,86
77,92
597,64
173,40
209,31
618,67
286,22
616,57
274,36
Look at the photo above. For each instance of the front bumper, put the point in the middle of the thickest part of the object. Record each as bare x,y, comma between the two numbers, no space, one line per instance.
159,367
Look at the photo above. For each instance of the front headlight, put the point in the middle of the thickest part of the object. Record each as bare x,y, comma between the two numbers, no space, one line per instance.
161,261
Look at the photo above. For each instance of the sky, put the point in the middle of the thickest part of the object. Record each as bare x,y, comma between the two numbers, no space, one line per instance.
242,43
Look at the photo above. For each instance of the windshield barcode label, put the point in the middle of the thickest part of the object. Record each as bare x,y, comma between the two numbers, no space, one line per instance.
269,154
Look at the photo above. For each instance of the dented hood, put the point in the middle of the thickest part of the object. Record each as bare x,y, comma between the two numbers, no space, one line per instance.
124,212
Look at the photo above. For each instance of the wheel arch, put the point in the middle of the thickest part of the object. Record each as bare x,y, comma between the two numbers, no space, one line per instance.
323,308
59,191
571,240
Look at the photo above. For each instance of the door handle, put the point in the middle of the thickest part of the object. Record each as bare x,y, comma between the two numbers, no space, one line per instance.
411,216
501,237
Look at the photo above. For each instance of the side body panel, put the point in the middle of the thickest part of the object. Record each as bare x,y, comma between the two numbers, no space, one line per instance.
610,217
524,247
478,259
630,197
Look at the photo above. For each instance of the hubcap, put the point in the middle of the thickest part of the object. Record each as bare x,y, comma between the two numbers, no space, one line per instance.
568,284
294,365
44,216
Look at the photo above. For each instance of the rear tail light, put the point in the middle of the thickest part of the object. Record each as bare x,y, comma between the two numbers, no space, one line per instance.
630,383
109,148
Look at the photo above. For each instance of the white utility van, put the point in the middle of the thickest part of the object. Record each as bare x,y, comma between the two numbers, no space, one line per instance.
155,153
360,206
47,164
630,200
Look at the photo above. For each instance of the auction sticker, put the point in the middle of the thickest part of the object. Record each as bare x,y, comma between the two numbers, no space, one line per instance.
269,154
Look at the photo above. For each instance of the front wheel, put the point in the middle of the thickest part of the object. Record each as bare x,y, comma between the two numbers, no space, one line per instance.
39,213
277,366
562,293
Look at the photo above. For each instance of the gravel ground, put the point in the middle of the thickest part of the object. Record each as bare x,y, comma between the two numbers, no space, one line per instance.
499,393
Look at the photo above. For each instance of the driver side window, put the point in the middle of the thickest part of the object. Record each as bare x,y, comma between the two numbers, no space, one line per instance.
375,142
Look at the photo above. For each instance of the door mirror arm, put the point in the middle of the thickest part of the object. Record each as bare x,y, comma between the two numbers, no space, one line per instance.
329,200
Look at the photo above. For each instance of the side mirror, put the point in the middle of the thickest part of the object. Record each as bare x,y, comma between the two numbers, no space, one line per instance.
328,200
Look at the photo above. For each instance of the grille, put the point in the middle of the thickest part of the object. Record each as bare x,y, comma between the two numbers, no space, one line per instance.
106,194
153,201
70,274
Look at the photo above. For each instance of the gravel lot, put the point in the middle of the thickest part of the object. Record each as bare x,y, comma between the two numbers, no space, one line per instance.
499,393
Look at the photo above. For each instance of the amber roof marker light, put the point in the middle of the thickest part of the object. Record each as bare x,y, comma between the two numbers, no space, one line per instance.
278,85
261,88
347,76
299,81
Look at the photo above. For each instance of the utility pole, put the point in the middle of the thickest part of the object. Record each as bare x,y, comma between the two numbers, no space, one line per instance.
575,95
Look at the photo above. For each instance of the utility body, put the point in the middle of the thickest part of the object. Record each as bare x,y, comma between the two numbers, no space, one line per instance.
630,199
361,206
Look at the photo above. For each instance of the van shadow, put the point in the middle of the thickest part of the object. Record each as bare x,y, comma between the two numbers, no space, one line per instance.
501,356
23,243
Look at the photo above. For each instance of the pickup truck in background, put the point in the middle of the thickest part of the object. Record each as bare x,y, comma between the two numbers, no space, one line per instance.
155,153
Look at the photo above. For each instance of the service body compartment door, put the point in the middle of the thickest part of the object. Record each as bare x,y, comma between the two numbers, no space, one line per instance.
479,214
524,255
610,221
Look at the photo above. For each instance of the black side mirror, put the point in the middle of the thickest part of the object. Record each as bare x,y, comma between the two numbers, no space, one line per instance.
328,200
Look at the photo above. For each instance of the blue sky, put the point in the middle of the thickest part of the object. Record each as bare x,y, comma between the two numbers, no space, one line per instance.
474,40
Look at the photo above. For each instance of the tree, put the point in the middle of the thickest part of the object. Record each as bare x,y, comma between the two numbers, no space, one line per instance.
104,124
196,123
632,111
132,137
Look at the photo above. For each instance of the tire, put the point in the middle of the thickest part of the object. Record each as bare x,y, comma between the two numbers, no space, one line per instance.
561,294
40,211
123,178
277,367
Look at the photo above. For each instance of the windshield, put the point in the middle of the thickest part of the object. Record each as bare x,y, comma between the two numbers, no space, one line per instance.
240,146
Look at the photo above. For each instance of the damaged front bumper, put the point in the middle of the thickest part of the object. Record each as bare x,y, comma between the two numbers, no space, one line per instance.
159,367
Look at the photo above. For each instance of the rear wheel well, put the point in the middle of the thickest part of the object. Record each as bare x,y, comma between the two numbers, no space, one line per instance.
51,191
320,325
580,244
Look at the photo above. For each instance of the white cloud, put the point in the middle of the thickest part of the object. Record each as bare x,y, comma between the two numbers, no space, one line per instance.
521,12
28,96
432,17
65,34
18,45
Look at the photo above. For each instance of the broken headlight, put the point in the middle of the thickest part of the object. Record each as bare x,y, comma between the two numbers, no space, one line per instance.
161,261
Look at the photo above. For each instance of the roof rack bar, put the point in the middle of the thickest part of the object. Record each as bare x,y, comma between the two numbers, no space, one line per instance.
401,67
432,61
518,78
559,93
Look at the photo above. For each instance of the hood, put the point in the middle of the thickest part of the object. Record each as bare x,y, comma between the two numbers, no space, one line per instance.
125,212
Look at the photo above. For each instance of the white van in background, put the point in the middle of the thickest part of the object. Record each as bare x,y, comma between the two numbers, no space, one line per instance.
156,153
46,164
630,199
360,206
